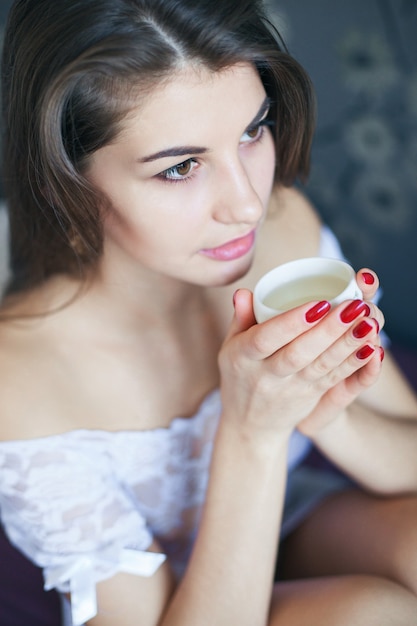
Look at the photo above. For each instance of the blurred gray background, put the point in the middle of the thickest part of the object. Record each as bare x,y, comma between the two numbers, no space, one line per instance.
362,57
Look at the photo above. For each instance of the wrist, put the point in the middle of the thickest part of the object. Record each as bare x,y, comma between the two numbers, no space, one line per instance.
254,442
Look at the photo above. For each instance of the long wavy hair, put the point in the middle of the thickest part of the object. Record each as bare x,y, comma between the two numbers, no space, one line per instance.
72,69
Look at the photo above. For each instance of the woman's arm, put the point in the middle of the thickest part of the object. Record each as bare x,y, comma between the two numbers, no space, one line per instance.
229,577
375,439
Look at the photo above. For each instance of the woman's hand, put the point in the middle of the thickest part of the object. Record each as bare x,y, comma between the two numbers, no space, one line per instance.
348,390
280,373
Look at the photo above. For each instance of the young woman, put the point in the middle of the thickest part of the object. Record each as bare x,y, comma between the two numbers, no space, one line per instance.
153,440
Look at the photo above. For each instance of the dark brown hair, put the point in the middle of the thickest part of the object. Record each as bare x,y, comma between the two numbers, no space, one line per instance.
69,70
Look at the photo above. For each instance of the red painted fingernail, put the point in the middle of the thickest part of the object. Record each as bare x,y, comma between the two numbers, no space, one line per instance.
377,325
318,311
381,353
362,329
364,352
368,278
353,310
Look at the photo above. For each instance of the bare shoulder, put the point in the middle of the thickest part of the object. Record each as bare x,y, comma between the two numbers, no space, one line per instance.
25,378
44,387
36,378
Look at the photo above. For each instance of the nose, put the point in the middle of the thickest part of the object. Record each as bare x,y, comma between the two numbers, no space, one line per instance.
236,199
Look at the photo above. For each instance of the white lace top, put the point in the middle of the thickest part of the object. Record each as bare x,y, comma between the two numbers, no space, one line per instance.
86,504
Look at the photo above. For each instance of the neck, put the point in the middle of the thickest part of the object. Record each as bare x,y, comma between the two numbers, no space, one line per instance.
108,308
143,302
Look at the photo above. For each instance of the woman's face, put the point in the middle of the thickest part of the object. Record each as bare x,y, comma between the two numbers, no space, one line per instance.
189,177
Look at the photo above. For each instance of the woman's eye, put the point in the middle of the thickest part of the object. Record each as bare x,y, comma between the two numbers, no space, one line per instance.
253,134
181,171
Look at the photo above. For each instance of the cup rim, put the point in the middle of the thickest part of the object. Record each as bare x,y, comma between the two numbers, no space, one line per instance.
313,265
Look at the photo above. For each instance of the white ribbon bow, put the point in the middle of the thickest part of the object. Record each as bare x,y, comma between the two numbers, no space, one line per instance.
80,576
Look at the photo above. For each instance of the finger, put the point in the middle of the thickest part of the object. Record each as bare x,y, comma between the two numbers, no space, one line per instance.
377,314
344,383
355,362
342,395
305,350
368,282
359,380
270,336
243,317
346,354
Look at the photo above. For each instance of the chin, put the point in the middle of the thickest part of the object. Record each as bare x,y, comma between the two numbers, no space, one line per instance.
233,274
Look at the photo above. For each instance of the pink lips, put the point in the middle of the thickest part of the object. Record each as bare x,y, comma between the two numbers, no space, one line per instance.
232,250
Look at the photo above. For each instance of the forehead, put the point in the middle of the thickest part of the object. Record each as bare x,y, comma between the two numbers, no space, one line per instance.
195,96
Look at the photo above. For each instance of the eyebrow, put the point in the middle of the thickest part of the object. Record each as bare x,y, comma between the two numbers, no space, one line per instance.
178,151
173,152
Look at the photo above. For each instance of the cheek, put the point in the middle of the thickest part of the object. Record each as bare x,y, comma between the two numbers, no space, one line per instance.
121,227
144,231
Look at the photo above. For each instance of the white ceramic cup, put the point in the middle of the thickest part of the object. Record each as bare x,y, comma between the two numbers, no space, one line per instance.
304,280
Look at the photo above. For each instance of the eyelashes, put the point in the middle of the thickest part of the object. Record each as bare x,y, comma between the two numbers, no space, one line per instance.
179,173
184,171
258,130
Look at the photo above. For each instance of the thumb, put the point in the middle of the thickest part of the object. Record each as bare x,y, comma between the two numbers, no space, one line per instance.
244,317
